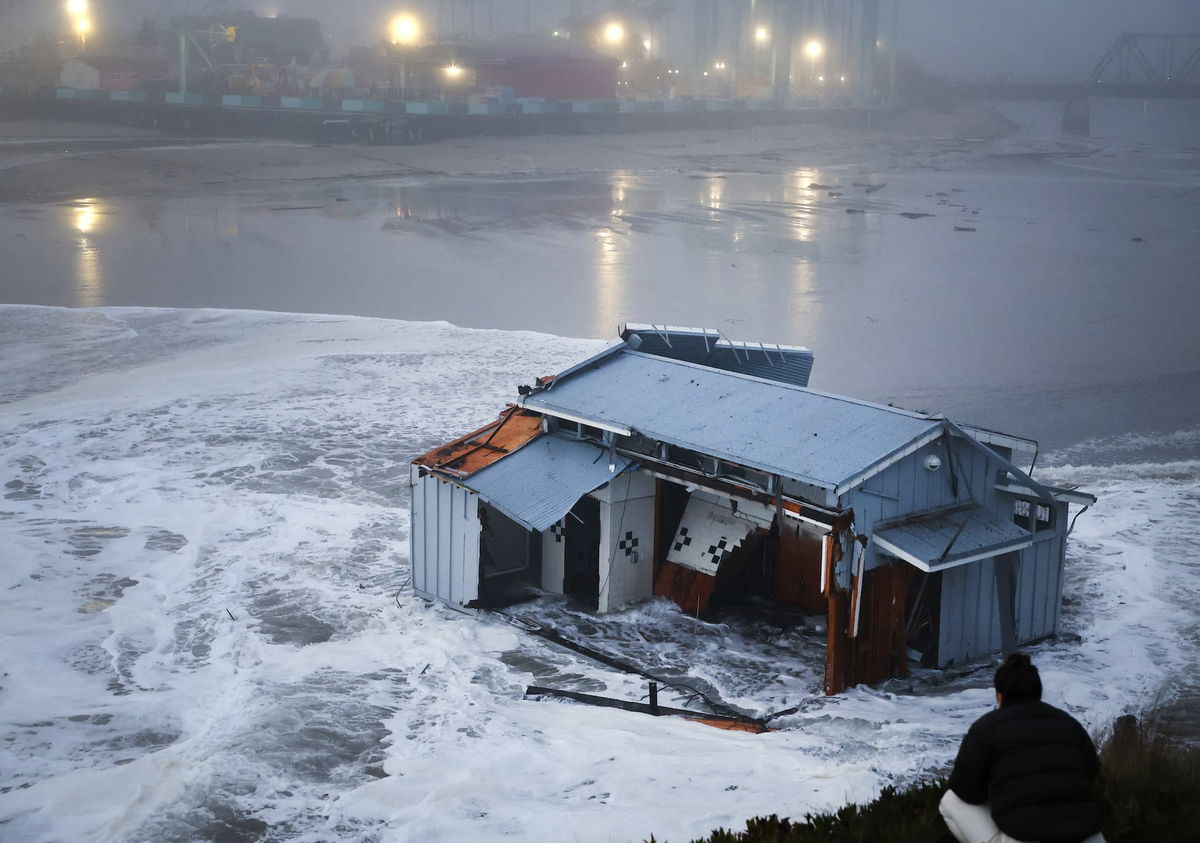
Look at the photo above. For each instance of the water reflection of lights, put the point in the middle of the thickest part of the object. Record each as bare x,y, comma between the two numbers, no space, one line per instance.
716,189
85,216
89,290
611,279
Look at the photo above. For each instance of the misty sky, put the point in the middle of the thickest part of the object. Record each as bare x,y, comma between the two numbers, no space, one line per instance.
1032,38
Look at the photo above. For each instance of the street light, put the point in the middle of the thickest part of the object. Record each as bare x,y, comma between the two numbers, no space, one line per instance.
614,33
762,35
77,8
813,50
82,27
454,71
405,29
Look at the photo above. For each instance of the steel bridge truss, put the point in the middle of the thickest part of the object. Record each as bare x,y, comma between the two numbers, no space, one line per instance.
1176,61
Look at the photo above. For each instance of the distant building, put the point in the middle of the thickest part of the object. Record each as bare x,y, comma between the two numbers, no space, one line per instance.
523,70
112,73
683,465
550,74
280,40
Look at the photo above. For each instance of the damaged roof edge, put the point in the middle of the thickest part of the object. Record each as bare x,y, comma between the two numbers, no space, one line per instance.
581,365
883,463
462,457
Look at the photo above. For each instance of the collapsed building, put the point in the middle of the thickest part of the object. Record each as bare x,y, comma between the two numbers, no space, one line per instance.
677,463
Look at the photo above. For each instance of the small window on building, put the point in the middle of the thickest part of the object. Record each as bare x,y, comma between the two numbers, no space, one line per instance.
1032,516
1021,511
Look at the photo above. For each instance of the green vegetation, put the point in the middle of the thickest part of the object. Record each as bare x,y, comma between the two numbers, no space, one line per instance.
1149,789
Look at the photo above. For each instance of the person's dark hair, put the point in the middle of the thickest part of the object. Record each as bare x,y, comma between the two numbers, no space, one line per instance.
1017,680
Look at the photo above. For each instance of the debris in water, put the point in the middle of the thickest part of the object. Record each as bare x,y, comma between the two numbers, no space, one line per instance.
914,215
964,228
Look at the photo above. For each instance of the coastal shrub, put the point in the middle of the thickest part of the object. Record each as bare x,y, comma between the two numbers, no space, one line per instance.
1149,786
1149,789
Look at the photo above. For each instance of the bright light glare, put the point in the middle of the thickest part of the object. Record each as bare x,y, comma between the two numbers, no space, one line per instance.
76,8
454,71
85,217
614,33
83,26
762,35
646,44
406,30
813,49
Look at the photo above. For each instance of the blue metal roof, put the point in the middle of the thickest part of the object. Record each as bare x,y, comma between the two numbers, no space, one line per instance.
922,540
788,430
538,484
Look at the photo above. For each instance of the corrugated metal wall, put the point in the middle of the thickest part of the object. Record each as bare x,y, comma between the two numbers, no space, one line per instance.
445,541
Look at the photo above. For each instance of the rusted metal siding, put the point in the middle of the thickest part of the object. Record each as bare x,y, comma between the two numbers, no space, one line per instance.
444,540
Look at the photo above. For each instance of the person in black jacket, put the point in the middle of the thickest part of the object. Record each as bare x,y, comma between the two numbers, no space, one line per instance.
1024,772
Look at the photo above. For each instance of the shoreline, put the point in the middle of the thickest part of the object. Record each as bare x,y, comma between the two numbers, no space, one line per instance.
43,161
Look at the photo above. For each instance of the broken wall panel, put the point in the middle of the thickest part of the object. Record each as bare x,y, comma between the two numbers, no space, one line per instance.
798,581
710,530
690,589
879,651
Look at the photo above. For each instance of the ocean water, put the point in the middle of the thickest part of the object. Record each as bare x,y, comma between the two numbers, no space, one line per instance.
208,635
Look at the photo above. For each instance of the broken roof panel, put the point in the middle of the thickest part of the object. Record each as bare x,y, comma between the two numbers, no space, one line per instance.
783,363
480,448
922,540
779,428
537,485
